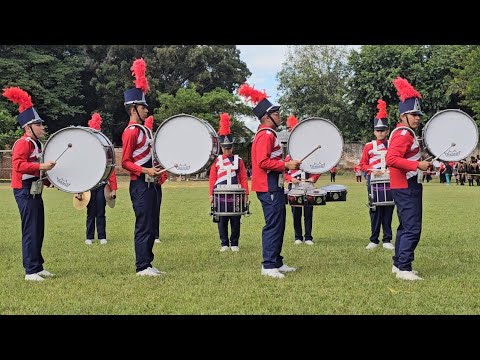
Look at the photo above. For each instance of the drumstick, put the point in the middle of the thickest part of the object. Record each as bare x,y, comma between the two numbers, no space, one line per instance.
444,151
174,166
68,147
311,152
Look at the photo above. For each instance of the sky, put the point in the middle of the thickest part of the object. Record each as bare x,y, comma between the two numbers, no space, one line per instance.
264,62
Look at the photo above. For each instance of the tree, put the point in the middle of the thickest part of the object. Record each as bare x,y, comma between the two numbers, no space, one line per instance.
169,68
466,82
313,82
9,131
430,69
50,74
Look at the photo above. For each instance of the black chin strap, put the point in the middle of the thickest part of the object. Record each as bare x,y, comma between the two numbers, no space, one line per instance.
135,107
271,118
33,132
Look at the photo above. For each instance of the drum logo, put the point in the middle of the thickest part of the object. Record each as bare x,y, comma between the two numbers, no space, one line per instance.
452,153
183,167
63,181
317,165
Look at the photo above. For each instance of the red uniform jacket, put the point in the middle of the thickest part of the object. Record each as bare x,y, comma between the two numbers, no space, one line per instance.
240,178
402,157
135,150
24,161
266,157
369,159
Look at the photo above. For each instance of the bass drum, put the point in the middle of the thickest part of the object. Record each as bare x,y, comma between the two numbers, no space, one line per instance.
447,127
86,159
188,142
310,133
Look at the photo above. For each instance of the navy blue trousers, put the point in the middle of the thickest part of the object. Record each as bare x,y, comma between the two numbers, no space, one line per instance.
274,212
156,216
143,201
96,213
33,226
409,210
297,221
381,217
223,229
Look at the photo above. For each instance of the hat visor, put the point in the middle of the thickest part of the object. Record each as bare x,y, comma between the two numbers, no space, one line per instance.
226,146
414,112
380,127
273,109
35,121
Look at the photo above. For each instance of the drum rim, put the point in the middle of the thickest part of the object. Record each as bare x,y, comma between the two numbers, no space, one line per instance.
208,125
87,129
424,131
331,123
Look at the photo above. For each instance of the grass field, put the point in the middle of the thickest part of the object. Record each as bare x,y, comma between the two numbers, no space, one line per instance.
336,276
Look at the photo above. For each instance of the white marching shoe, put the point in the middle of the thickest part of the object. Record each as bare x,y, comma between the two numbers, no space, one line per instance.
148,272
285,268
272,273
371,245
33,277
408,275
89,241
103,241
396,270
45,273
388,246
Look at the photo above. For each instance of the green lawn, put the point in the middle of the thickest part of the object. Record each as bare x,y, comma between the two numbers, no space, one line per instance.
336,276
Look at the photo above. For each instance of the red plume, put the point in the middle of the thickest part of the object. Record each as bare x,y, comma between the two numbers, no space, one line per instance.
149,122
404,89
292,121
138,70
382,109
18,96
224,124
95,121
251,94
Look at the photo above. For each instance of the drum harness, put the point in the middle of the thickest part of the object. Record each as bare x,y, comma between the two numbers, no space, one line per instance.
149,140
415,141
36,187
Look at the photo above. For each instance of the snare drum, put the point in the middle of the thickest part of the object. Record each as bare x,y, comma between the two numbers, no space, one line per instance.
85,165
296,197
229,200
447,127
380,193
315,197
310,133
186,141
335,192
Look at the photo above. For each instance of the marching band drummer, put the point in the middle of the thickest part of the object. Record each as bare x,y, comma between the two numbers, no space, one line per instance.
403,158
228,169
26,183
267,180
294,178
96,205
137,159
373,157
158,187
